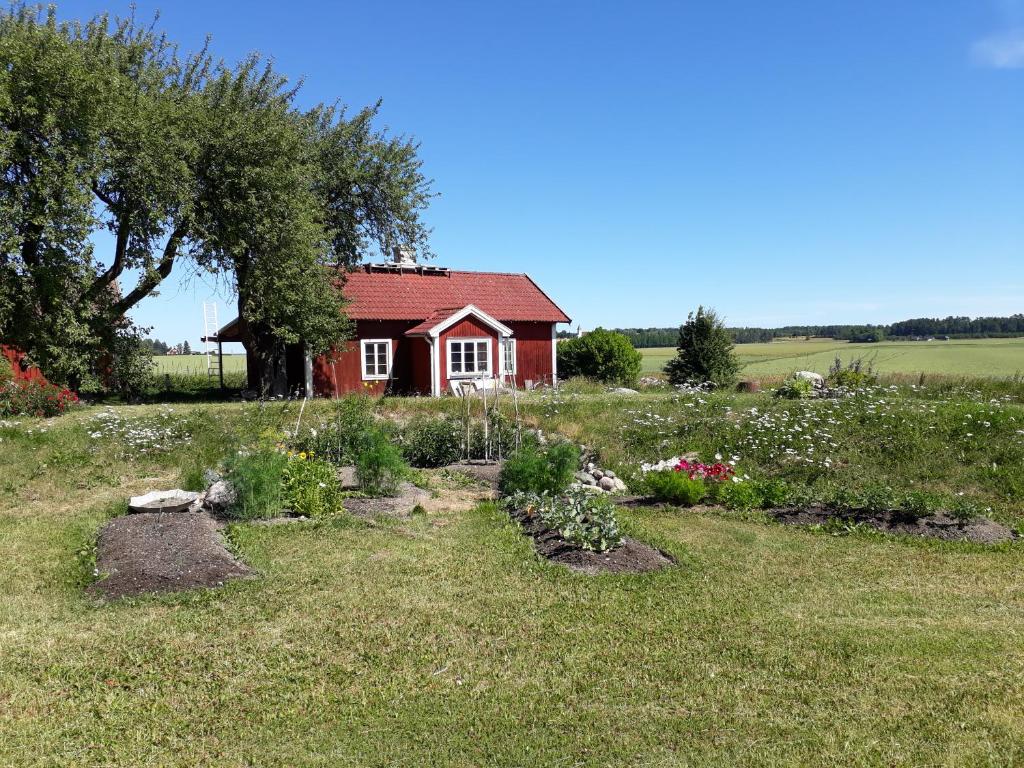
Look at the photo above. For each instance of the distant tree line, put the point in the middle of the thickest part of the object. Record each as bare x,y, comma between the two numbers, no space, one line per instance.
953,327
157,347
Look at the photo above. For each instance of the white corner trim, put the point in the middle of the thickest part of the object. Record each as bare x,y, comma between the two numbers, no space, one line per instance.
362,360
465,312
474,340
554,354
435,368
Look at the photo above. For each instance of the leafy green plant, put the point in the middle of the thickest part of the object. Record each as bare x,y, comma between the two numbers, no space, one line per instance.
606,356
380,468
344,433
742,495
674,487
430,442
533,470
256,476
310,486
795,389
853,375
584,520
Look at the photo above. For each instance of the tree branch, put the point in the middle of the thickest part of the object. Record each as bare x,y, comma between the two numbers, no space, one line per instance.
117,265
153,278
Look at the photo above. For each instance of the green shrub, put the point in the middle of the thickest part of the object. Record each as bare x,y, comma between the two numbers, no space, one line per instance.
532,470
674,487
345,433
606,356
310,487
380,468
429,442
795,389
853,375
704,352
584,520
256,476
743,495
772,493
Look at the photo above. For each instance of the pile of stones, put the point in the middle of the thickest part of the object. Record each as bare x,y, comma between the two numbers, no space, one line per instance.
598,480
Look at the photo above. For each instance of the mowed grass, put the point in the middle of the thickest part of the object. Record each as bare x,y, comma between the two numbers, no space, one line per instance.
195,364
967,357
443,640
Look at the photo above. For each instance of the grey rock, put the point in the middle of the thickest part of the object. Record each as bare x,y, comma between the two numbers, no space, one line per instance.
606,484
347,478
597,474
815,378
586,488
210,477
220,496
609,473
623,391
620,487
585,479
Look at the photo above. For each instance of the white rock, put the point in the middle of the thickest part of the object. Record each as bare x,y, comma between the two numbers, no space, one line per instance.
620,486
220,496
606,484
609,473
811,376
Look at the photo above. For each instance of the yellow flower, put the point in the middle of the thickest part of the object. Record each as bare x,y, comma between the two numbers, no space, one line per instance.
302,455
291,453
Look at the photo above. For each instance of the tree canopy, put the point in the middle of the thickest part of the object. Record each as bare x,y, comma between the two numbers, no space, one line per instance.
187,162
704,352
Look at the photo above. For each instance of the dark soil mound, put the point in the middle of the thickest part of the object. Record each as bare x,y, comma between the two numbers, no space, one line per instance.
631,556
937,526
153,552
483,472
397,506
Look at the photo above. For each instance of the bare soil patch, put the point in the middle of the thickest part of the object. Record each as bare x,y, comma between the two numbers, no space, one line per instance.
937,526
631,556
485,473
152,552
401,505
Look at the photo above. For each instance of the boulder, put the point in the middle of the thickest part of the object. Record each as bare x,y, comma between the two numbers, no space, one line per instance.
585,479
623,391
210,477
587,488
609,473
597,474
815,378
606,484
620,487
220,496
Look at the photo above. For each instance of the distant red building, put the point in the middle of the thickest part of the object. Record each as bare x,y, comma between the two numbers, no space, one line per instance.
422,330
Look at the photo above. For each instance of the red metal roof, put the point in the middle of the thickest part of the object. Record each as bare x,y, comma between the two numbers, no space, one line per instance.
412,294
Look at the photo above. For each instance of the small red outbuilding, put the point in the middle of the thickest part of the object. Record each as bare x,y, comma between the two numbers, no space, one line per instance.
422,330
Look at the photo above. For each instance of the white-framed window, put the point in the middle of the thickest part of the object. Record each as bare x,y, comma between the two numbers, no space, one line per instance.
508,355
469,357
376,358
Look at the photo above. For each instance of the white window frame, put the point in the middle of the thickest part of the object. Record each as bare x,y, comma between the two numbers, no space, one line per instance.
363,343
510,342
474,340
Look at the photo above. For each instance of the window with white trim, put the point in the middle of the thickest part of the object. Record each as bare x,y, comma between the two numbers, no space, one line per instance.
376,358
469,357
508,355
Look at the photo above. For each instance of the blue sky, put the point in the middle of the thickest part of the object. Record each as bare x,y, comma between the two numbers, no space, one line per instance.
784,162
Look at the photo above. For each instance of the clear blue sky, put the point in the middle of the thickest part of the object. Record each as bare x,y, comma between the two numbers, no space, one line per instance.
784,162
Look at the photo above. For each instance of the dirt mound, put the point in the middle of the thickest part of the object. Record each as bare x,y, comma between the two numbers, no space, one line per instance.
938,526
631,556
483,472
397,506
153,552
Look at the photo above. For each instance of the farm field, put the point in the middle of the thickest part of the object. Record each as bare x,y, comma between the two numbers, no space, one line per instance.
195,364
967,357
360,642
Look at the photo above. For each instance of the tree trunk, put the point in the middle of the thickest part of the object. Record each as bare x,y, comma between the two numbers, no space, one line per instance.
268,359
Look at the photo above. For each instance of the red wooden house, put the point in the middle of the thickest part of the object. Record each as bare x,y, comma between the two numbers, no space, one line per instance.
422,330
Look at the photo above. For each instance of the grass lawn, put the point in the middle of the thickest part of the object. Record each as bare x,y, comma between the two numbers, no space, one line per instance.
966,357
443,640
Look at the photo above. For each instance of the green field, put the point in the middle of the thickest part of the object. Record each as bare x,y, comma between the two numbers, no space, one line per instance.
967,357
195,364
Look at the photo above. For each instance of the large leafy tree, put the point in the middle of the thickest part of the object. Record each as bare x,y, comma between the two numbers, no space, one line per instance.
607,356
188,163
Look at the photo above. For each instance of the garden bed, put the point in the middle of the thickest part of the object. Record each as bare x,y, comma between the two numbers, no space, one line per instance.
152,552
980,530
401,505
631,556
